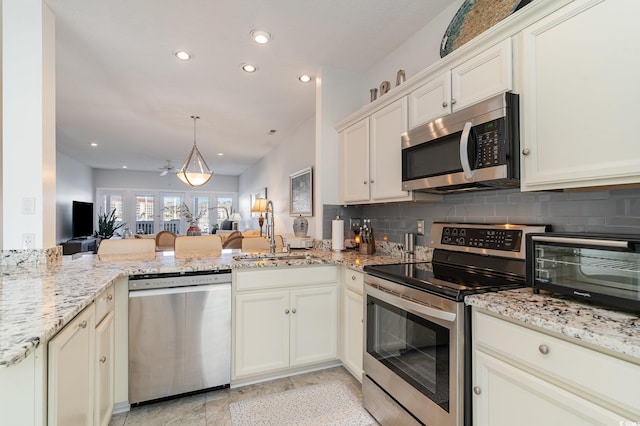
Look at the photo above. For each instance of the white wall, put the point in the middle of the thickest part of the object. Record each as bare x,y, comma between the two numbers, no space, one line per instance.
104,178
74,181
417,53
272,171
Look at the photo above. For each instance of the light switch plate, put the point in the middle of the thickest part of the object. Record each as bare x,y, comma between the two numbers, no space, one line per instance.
28,205
420,226
354,223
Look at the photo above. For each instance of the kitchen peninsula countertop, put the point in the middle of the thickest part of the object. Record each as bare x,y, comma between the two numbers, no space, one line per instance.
36,301
605,329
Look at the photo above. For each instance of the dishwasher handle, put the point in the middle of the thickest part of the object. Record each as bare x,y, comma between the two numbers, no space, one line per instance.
179,290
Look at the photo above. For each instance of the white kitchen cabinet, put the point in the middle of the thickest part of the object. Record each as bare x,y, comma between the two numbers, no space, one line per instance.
580,96
104,370
71,370
371,158
478,78
284,319
22,390
527,377
352,321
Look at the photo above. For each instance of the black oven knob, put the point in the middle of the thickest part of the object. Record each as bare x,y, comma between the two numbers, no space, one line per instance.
461,241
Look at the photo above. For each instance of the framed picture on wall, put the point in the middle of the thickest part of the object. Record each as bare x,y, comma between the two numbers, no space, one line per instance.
301,193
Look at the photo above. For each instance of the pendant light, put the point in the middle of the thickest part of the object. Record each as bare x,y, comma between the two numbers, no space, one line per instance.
195,172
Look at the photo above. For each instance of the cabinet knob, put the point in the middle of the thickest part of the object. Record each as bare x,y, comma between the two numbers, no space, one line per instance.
286,311
103,359
445,104
110,297
365,182
293,311
477,390
453,101
83,324
544,349
525,151
371,181
353,277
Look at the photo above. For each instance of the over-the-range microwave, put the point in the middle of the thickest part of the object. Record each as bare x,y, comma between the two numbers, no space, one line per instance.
474,148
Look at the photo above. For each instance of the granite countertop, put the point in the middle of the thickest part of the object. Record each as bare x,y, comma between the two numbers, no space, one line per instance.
36,301
610,330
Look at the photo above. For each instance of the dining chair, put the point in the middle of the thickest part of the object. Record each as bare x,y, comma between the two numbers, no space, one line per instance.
127,249
197,246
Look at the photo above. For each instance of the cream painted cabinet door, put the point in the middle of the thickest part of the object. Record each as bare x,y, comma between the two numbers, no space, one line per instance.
104,370
354,142
261,332
430,101
314,325
483,76
580,97
353,331
504,395
71,355
387,126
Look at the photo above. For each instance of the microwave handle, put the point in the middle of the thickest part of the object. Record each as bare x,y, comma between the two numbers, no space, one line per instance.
464,156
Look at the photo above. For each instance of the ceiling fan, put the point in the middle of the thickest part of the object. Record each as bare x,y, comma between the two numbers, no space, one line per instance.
167,168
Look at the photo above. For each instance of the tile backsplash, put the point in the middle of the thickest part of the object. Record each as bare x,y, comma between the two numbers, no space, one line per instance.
606,211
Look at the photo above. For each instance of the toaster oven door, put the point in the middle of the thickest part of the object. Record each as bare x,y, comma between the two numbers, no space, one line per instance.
602,270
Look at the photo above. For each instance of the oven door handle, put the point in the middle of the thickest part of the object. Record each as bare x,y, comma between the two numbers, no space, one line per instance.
410,306
464,146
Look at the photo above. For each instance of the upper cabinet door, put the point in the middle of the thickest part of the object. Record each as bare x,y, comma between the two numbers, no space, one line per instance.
387,125
430,101
486,74
355,162
580,97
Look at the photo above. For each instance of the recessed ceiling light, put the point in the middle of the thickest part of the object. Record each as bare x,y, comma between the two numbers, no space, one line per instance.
124,166
249,68
93,144
183,55
260,37
220,154
304,78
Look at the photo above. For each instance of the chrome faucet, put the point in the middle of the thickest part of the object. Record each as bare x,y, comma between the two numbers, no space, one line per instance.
270,228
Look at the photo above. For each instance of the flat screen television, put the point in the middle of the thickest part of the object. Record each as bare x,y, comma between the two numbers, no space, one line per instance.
82,219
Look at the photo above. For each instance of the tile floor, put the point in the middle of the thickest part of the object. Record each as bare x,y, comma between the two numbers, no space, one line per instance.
212,408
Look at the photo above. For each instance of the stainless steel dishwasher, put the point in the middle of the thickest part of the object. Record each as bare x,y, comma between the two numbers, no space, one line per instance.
179,333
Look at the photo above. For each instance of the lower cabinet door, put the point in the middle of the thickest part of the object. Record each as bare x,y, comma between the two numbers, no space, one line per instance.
70,387
262,332
504,395
353,332
104,362
314,325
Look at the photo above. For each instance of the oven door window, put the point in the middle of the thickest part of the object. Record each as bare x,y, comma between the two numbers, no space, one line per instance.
413,347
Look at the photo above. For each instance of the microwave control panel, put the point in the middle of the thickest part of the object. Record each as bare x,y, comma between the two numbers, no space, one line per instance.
489,147
494,239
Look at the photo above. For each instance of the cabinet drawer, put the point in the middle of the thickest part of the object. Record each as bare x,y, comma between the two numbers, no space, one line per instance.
584,371
104,303
261,278
353,280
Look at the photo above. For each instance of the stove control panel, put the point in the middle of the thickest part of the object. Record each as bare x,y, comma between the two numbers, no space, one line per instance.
483,238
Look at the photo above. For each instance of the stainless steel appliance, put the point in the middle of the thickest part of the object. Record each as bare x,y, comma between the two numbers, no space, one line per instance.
597,268
179,333
417,362
474,148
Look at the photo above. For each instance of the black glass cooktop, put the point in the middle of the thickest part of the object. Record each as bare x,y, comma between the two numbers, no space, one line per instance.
452,281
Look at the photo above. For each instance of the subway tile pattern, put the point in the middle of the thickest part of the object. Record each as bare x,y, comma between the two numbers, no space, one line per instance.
599,211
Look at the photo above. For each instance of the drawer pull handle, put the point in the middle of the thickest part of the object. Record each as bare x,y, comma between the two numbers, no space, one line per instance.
544,349
477,390
110,297
83,324
103,359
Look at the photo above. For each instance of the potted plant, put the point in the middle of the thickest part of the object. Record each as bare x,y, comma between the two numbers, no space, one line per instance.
192,219
107,225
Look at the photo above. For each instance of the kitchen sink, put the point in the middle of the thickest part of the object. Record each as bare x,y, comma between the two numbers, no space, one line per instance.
267,256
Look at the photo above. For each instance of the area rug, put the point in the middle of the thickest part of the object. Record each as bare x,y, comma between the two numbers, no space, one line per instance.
327,404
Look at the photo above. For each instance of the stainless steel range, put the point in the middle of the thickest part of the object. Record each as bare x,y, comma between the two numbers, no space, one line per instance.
417,330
